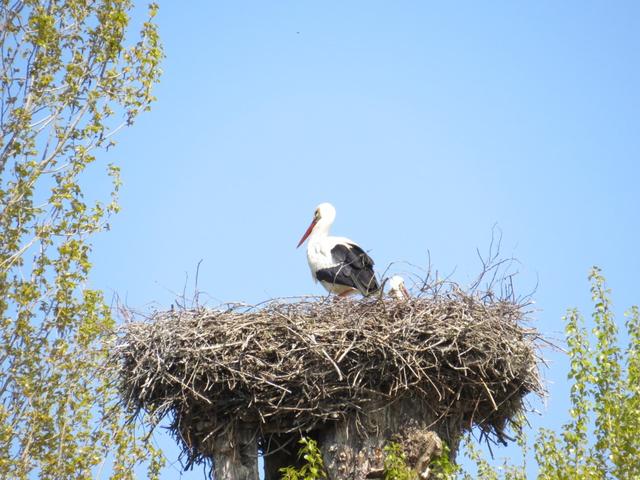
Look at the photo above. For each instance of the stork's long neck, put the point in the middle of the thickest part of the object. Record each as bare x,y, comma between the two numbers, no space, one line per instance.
320,231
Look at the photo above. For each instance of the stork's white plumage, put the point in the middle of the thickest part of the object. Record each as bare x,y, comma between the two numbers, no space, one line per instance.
339,264
397,289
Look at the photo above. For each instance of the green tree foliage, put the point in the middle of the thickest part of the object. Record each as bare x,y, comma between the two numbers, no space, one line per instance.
312,468
395,464
442,467
602,440
68,82
396,468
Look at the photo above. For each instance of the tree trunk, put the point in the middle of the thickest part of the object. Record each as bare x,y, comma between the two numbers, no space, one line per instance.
235,454
353,449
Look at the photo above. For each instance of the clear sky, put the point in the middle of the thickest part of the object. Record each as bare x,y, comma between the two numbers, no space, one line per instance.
424,124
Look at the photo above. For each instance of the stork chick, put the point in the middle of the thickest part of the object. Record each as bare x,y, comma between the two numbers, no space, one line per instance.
398,290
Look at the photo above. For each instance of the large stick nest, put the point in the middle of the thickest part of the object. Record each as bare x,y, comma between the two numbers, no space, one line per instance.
294,365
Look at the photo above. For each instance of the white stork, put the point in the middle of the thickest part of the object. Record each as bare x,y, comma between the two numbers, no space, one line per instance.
341,266
398,290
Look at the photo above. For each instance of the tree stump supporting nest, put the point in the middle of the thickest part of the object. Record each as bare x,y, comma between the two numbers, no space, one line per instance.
234,454
353,447
350,452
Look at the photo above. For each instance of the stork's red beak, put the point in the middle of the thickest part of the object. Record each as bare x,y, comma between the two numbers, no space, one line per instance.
308,232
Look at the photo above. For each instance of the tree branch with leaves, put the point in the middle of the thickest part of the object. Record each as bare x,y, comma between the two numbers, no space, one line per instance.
69,80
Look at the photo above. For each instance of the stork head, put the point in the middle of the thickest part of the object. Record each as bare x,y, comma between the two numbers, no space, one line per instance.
323,218
398,290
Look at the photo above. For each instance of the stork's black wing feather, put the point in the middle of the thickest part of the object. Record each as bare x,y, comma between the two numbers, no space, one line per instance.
354,268
338,275
352,254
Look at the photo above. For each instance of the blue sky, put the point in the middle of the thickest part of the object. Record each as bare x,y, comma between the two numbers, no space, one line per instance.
424,124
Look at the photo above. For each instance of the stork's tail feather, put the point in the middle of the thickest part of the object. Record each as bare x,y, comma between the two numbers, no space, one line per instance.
366,283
